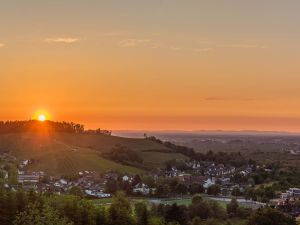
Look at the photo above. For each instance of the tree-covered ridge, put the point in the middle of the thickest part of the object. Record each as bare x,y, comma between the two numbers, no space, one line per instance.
34,125
231,158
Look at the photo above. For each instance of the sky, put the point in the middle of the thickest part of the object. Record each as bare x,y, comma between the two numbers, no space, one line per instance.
152,65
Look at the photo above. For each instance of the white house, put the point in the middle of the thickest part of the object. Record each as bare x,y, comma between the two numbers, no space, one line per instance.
142,188
63,182
96,193
125,178
209,182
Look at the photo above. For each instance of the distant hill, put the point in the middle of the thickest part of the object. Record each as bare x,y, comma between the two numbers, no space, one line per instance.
69,153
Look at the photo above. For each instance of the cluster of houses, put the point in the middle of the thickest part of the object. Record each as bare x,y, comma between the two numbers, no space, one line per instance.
91,183
209,173
290,202
290,195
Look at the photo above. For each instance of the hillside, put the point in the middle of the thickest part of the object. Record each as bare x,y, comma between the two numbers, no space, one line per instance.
67,153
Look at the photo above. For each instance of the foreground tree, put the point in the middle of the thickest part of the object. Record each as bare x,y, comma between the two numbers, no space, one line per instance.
196,221
36,215
268,216
120,212
232,207
142,214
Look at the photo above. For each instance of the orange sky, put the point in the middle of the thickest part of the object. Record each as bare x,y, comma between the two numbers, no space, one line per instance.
161,64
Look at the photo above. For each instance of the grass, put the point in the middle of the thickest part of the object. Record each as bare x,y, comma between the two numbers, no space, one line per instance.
184,201
61,153
158,159
179,201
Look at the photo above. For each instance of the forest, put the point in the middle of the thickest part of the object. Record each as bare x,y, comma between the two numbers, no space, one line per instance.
23,208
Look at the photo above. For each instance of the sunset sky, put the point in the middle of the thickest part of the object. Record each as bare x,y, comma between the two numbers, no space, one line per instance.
152,64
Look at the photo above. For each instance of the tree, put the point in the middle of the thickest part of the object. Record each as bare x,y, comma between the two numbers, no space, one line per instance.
100,216
196,221
75,190
175,213
119,212
236,191
173,223
268,216
156,221
136,179
111,186
12,174
232,207
214,189
200,209
181,188
212,221
196,188
197,199
141,213
34,215
21,200
249,193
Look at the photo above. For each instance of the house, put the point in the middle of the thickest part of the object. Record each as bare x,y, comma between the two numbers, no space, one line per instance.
291,193
142,188
24,163
63,182
125,178
209,182
96,193
4,173
185,178
198,179
28,178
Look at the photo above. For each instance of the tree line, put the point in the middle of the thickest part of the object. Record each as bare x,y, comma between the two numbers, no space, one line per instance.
34,125
24,208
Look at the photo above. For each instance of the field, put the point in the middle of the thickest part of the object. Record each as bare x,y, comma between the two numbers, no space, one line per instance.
62,153
157,159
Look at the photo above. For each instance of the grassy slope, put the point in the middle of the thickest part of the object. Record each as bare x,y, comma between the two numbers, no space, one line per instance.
70,153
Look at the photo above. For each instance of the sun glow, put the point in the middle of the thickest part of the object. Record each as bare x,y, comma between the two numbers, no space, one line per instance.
42,118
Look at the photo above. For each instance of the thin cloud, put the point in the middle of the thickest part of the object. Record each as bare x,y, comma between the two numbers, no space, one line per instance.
157,44
204,50
228,99
173,48
215,99
2,45
133,42
62,40
147,43
245,46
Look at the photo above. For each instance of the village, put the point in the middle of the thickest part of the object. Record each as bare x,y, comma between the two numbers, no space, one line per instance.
194,177
203,174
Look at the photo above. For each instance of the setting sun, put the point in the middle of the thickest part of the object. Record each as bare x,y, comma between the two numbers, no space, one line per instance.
41,115
42,118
